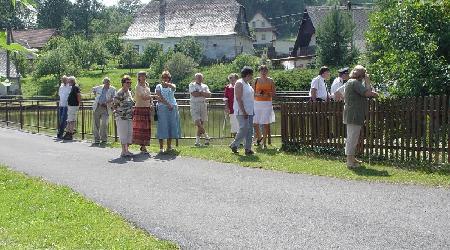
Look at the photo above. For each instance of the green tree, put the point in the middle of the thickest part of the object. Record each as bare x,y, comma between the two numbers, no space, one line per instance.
189,46
246,60
56,63
180,66
334,39
129,57
83,13
51,13
408,47
151,52
113,44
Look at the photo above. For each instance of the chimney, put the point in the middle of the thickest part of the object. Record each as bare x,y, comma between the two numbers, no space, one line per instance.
162,15
349,5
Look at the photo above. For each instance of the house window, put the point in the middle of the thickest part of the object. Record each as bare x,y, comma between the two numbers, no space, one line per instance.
263,24
263,37
136,48
254,24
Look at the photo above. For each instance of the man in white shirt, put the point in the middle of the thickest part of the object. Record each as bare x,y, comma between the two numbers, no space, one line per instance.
104,95
337,88
318,91
199,112
63,93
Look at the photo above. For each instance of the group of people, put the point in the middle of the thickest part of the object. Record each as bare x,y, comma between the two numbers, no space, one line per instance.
248,103
354,88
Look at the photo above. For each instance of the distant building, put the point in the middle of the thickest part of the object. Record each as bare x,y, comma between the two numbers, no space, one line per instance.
315,15
264,32
35,38
14,78
220,26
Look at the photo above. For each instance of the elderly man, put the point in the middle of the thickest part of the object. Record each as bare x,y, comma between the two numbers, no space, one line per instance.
337,88
63,93
199,92
318,91
104,95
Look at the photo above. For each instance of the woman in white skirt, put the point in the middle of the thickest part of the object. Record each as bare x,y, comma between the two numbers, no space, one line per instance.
123,104
264,88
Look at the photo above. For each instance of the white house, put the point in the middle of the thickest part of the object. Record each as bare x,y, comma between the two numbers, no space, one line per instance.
14,78
264,32
220,26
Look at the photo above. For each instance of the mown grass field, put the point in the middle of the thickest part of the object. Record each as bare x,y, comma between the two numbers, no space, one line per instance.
38,215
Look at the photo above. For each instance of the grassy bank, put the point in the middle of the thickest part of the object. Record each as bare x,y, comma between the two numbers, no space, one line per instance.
38,215
312,164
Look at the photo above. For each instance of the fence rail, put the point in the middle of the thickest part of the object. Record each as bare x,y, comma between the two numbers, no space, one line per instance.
407,129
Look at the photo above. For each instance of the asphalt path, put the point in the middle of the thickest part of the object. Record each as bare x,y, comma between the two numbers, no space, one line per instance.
207,205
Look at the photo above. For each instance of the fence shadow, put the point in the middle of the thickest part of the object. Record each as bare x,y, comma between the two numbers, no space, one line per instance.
363,171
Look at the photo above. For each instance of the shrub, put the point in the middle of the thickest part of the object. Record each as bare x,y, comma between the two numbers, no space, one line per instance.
246,60
129,57
151,52
180,66
190,47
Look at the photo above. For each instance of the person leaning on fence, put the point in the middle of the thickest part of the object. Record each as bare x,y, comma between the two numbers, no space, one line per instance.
102,107
228,98
337,88
318,91
73,102
264,88
357,90
63,93
123,111
243,106
199,109
167,112
142,113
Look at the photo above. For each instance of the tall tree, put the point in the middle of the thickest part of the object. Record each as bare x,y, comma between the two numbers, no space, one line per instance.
51,13
334,39
84,12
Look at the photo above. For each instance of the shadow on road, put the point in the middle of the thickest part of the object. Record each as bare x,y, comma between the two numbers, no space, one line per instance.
170,156
363,171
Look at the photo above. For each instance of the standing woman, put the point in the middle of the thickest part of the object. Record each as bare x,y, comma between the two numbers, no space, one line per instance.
229,100
72,109
123,110
357,90
142,113
264,88
168,116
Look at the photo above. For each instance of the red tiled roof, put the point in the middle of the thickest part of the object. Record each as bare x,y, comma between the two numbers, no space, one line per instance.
35,39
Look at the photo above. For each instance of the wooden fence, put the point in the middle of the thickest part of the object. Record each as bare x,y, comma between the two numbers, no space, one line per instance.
407,129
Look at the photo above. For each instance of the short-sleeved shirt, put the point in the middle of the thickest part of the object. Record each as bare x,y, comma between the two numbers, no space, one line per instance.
73,96
64,91
229,95
142,91
355,102
123,105
193,86
248,99
336,86
319,84
168,94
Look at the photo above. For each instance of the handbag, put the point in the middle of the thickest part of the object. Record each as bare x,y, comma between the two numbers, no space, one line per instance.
155,116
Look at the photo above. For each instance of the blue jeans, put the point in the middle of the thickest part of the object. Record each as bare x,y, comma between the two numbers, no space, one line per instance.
245,132
62,114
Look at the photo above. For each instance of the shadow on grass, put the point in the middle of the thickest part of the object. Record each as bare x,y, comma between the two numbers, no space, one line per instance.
270,151
363,171
249,158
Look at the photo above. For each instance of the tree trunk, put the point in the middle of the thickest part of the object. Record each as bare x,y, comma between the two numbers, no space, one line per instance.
8,56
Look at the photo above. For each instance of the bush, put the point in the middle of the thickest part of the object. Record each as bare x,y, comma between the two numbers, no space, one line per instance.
55,62
190,47
129,57
215,76
246,60
180,66
151,52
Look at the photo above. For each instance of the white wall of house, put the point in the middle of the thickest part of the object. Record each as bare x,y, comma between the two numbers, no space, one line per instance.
300,63
214,47
283,47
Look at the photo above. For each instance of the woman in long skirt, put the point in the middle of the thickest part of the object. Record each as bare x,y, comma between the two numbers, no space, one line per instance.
142,113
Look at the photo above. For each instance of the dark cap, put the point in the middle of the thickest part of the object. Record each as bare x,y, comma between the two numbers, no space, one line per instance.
344,71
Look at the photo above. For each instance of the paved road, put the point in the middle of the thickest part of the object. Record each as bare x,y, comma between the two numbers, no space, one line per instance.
207,205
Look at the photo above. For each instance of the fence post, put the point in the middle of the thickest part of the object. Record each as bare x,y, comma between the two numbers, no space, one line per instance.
82,120
21,115
7,113
38,117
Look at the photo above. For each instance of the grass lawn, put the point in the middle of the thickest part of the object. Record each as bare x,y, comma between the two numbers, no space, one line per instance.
47,86
38,215
275,159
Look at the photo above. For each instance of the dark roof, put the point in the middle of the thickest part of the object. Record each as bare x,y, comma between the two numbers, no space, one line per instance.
35,39
314,15
182,18
13,71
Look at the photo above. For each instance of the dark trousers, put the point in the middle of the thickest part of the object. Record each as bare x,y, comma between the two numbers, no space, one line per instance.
62,114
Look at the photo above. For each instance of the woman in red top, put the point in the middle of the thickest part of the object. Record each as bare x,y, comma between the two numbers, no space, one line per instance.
229,100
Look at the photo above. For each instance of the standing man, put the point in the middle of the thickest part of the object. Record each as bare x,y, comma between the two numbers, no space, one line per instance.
73,102
102,107
63,93
199,112
318,91
337,88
